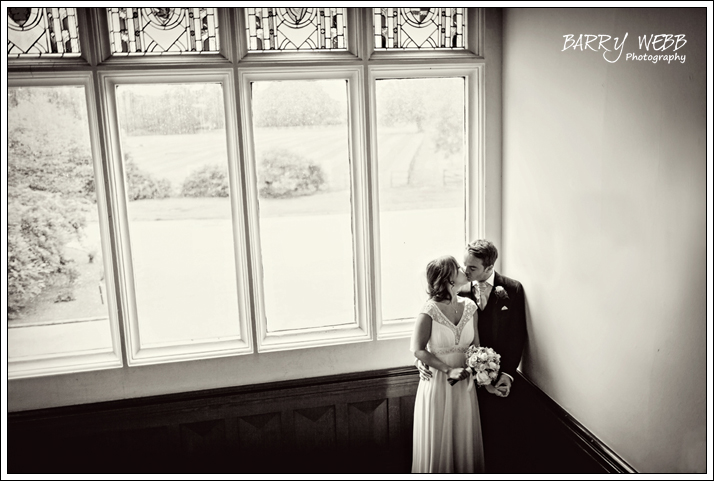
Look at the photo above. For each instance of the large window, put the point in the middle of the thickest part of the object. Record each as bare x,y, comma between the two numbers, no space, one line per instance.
198,183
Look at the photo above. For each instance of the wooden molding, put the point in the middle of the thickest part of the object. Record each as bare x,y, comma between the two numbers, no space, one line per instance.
253,392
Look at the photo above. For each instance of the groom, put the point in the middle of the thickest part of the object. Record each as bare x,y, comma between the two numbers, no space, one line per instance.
501,326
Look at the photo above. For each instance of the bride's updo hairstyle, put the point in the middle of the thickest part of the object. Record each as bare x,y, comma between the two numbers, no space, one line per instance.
438,276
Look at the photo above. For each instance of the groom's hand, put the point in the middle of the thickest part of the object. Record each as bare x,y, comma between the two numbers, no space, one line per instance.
492,389
504,385
424,371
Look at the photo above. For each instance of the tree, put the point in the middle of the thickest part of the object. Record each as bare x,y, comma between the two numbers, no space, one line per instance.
435,105
404,101
177,109
296,103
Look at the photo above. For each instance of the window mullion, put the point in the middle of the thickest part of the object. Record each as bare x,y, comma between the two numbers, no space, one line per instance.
95,36
371,214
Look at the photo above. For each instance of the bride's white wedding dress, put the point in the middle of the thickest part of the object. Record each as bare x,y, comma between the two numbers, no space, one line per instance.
447,428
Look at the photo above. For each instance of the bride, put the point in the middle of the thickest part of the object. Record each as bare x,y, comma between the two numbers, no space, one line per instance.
447,429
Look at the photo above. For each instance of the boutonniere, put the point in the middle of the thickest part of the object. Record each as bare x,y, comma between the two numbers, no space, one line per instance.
501,293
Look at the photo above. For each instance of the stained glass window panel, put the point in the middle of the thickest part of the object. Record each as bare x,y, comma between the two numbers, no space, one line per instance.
281,29
419,28
40,32
422,165
163,31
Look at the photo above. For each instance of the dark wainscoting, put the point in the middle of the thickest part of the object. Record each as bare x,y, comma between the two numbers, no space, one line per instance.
350,423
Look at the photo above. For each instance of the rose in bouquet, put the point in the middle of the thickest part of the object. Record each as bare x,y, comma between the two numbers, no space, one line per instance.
483,363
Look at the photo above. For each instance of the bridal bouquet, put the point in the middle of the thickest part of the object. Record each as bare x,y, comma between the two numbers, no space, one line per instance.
483,363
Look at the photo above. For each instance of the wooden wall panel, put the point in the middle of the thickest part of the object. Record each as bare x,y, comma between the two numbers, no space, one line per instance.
353,423
314,428
369,425
203,440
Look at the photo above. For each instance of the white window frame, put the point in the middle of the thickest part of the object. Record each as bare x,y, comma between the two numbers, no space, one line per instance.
361,330
176,351
91,360
474,181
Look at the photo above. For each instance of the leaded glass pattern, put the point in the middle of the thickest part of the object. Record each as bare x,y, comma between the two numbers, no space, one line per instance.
161,31
419,28
40,32
279,29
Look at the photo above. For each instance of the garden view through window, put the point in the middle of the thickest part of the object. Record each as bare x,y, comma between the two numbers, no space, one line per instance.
303,172
179,212
57,292
421,162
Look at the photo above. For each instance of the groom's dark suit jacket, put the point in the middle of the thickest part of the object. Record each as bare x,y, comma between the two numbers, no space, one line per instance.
502,326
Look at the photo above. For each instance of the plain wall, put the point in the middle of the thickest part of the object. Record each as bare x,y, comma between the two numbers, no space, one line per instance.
604,223
132,382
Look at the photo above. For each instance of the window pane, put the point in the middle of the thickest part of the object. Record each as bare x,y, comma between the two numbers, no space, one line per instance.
419,28
155,31
420,135
41,32
276,29
175,166
303,166
57,298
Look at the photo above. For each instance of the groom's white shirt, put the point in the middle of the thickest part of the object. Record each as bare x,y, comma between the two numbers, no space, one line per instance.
489,281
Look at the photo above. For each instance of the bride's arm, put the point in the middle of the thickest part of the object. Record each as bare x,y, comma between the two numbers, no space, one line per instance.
420,338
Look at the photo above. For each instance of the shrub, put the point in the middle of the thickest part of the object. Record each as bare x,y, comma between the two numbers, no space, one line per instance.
285,174
142,185
50,184
39,225
207,181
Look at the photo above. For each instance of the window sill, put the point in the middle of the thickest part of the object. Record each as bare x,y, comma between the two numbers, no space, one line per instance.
70,364
305,339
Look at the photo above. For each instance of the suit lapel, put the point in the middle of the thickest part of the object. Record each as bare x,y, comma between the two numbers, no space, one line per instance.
491,309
